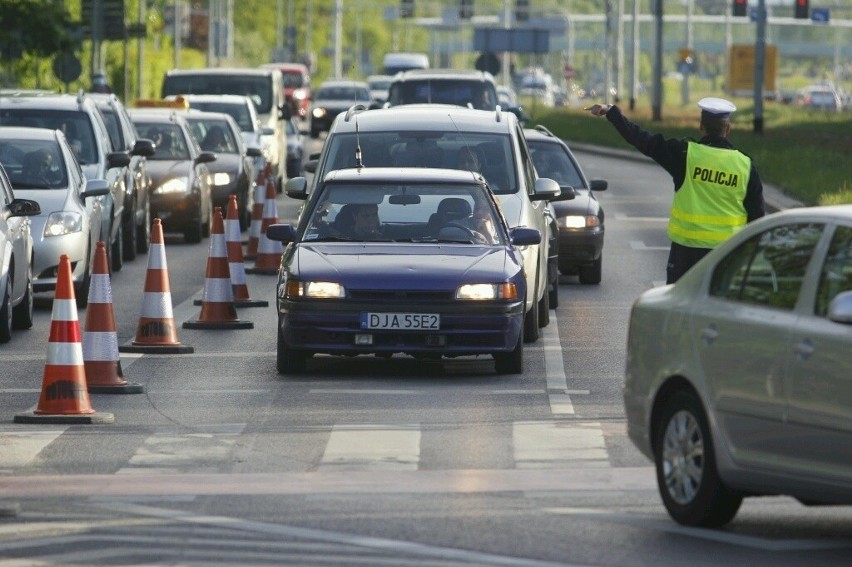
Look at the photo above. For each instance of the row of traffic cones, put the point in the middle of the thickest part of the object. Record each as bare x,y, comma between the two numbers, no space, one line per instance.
76,367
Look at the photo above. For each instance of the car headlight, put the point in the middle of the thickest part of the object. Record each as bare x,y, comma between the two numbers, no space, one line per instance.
314,290
63,222
480,292
578,221
173,185
221,178
298,94
318,112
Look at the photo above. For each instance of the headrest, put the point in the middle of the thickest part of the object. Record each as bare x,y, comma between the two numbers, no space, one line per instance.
454,207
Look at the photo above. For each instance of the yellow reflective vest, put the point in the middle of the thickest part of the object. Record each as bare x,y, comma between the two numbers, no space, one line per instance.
708,207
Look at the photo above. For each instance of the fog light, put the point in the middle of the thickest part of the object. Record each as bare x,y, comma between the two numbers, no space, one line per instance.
436,340
363,339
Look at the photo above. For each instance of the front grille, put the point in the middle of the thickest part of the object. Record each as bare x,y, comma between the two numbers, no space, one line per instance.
382,295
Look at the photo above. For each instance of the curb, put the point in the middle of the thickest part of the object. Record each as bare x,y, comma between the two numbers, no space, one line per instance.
774,197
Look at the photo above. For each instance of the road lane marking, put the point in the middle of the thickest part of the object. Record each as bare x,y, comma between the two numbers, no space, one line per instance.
624,217
639,245
547,445
372,448
554,369
18,448
166,451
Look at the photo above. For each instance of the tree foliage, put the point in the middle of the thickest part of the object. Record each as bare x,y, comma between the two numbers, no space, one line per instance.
34,27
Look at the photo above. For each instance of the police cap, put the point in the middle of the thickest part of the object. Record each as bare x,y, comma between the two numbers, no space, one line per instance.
716,107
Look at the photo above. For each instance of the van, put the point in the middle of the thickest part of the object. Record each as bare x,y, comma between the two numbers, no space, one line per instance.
396,62
297,86
264,86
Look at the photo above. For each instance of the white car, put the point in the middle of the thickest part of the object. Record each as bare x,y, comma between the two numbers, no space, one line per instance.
41,166
739,376
16,252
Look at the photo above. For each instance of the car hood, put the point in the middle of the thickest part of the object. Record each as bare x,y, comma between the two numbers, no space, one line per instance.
410,267
581,204
225,163
49,201
336,105
161,170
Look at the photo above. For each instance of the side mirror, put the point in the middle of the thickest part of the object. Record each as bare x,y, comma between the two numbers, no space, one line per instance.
311,166
545,190
840,308
297,188
95,188
253,151
24,208
205,157
523,236
144,147
118,159
567,193
598,184
285,233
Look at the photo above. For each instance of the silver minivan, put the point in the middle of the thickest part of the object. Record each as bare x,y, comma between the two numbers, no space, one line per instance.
264,86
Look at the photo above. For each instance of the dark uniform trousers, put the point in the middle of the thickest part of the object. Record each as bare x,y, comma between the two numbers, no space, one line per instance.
681,258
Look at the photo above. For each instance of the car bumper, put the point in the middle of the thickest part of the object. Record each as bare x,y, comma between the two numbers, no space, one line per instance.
46,253
577,247
485,330
176,211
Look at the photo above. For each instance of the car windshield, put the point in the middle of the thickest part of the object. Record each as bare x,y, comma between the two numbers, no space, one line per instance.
113,128
256,86
239,112
353,93
33,164
293,79
394,212
553,162
459,92
493,153
380,84
169,139
76,125
214,135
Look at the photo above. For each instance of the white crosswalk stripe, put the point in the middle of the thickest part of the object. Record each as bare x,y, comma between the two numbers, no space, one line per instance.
19,448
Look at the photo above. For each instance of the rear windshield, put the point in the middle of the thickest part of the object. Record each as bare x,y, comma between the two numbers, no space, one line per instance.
76,125
239,112
352,93
169,138
479,94
293,79
259,86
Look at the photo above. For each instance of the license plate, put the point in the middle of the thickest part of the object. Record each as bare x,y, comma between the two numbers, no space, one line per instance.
401,321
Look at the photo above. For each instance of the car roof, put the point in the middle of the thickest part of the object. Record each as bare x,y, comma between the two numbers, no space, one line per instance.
56,101
428,117
541,134
343,83
223,98
260,72
28,133
286,67
162,115
414,175
438,74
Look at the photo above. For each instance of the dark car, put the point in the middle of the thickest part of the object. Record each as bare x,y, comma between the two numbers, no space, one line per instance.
333,98
233,171
78,118
581,219
137,182
295,149
401,260
179,174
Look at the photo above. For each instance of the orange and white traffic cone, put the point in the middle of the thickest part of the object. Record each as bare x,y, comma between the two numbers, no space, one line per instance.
100,339
156,332
217,303
64,398
268,251
257,214
236,264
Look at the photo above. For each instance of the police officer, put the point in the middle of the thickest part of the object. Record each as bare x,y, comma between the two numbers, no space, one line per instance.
717,188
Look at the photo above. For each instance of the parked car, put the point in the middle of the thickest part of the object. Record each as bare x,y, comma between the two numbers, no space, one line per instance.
179,173
233,171
348,285
16,252
243,111
295,149
137,182
580,220
297,87
264,86
379,86
334,97
436,136
42,167
78,118
737,380
819,97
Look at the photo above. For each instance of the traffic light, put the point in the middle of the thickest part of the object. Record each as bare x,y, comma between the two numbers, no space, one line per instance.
406,8
522,10
465,9
802,9
741,7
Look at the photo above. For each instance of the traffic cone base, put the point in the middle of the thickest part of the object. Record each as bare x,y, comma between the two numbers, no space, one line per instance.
64,397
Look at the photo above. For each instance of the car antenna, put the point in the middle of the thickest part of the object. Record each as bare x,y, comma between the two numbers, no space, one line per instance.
466,145
349,114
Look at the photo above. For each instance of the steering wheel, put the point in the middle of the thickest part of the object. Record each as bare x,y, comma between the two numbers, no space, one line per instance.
469,231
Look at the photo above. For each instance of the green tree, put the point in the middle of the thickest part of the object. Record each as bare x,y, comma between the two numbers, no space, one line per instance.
34,27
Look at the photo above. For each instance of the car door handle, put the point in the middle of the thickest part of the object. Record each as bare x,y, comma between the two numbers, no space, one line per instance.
709,334
804,349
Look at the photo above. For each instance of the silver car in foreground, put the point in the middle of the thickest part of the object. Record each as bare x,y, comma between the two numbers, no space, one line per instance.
42,167
739,376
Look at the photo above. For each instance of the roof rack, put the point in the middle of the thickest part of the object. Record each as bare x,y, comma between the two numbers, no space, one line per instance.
543,129
498,113
352,110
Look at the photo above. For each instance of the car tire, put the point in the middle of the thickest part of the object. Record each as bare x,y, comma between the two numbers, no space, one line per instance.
544,309
554,294
130,236
288,360
144,236
687,477
117,256
591,274
6,313
22,314
511,362
531,322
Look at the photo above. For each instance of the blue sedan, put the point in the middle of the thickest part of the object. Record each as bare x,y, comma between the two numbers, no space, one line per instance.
413,261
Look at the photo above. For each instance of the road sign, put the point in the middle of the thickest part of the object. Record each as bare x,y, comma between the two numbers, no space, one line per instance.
820,15
568,72
67,67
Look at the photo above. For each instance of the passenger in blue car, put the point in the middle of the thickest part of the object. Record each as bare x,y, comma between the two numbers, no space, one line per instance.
359,222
